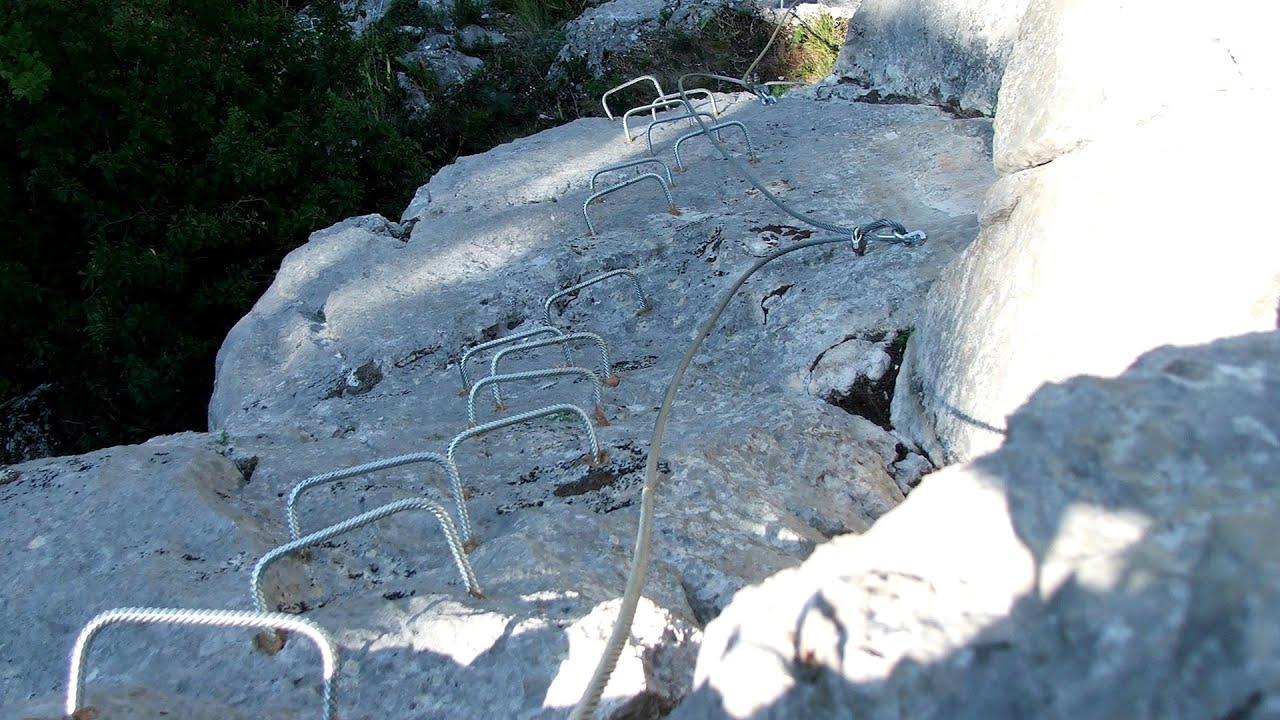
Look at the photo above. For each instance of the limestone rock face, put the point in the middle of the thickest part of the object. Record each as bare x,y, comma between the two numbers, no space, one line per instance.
1117,557
1087,257
353,355
943,52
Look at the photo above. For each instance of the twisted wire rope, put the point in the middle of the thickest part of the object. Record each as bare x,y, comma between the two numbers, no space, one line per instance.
203,618
359,521
455,486
590,699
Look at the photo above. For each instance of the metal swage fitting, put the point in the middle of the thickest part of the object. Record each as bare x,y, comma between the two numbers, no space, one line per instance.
359,521
635,289
607,375
648,132
718,126
596,456
455,486
604,99
495,380
622,166
507,340
203,618
671,203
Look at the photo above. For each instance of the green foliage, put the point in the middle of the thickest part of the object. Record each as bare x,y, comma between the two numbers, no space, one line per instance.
411,13
467,12
543,15
158,159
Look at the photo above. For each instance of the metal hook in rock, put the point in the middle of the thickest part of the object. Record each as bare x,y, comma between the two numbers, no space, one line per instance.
622,166
607,374
604,99
514,337
671,203
648,132
277,622
455,486
636,290
719,126
595,456
359,521
495,380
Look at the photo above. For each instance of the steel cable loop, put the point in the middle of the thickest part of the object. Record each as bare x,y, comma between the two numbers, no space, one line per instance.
638,291
606,368
644,537
495,380
455,486
596,455
506,340
203,618
359,521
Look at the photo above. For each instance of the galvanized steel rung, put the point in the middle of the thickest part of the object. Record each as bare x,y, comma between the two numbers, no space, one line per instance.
455,486
648,132
719,126
507,340
537,375
665,102
715,108
622,166
359,521
604,99
607,375
203,618
595,456
636,290
671,203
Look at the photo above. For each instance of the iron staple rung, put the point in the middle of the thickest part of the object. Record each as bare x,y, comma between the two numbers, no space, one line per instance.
630,275
671,203
359,521
455,484
203,618
495,380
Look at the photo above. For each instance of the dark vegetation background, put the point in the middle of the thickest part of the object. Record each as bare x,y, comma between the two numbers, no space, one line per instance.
159,157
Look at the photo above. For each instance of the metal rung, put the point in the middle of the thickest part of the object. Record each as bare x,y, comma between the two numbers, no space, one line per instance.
202,618
648,132
622,166
604,99
606,369
653,109
671,203
514,337
595,457
359,521
636,290
495,380
455,485
715,108
718,126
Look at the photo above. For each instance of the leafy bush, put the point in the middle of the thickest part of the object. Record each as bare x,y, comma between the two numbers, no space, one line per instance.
159,158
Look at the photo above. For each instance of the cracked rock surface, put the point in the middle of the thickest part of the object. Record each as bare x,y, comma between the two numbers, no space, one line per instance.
352,355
